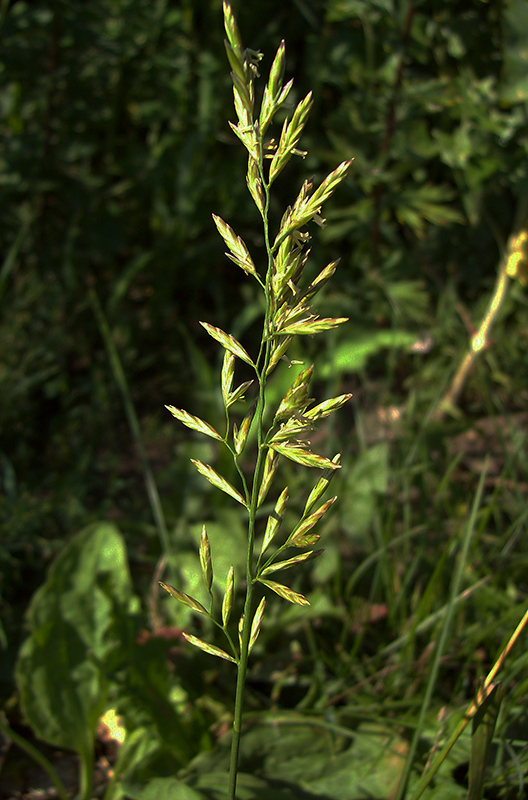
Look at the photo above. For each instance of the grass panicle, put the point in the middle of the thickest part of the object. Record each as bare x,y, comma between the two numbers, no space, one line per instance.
288,313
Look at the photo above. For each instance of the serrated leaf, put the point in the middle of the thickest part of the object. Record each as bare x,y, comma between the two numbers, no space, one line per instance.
227,602
195,423
184,598
291,562
208,648
213,477
285,592
299,452
205,560
227,341
255,625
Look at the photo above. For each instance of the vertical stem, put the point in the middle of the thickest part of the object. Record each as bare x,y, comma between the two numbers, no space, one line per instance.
248,605
239,696
257,475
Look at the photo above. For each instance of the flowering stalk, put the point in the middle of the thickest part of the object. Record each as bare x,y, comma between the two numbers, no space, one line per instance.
288,313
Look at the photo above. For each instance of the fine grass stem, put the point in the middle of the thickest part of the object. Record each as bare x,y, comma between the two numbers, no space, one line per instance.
133,421
443,636
287,314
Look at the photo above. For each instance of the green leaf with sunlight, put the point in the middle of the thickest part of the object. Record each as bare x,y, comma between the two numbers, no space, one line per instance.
74,621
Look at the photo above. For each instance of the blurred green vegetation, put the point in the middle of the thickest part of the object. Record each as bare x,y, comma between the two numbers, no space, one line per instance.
115,153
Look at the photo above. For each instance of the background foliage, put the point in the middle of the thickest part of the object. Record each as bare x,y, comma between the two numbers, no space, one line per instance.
116,151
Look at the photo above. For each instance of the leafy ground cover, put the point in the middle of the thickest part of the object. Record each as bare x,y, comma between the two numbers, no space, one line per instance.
115,156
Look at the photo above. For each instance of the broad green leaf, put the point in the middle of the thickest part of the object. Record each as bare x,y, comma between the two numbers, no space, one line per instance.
285,592
75,622
184,598
217,480
168,788
195,423
228,341
353,353
208,648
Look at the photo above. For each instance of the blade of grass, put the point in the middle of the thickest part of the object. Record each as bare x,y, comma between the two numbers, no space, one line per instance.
487,688
133,421
484,723
443,637
36,755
